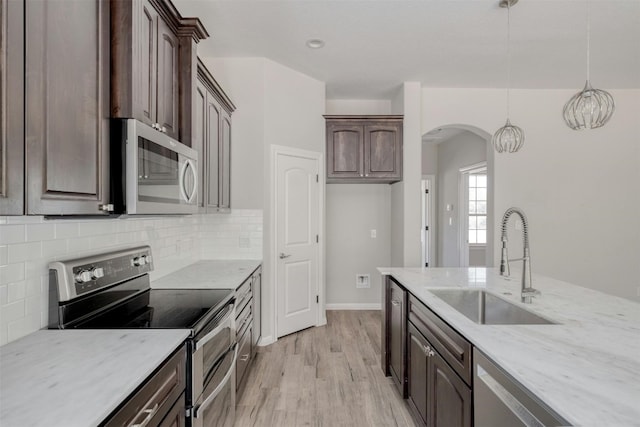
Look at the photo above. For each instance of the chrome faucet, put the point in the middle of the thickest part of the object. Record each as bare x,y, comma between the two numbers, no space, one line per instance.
527,290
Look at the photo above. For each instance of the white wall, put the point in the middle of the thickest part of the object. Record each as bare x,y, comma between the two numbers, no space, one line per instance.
464,149
358,106
29,244
406,247
281,107
353,210
579,189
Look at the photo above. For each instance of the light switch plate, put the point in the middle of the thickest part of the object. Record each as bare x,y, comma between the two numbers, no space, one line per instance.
373,233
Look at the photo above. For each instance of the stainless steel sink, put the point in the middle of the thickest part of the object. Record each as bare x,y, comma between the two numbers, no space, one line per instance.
487,309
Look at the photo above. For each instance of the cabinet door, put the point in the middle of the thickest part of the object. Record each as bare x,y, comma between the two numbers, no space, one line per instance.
225,162
167,95
448,396
11,107
256,291
417,362
382,151
344,151
200,136
397,337
67,121
212,150
176,416
145,88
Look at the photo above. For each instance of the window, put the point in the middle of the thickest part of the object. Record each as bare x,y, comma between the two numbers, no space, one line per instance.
477,209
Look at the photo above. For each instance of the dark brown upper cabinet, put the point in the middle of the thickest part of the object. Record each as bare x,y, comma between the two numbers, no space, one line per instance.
66,96
212,129
153,50
364,149
11,107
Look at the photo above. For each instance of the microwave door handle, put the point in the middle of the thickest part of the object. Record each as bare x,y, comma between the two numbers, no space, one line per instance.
194,175
197,413
187,165
225,322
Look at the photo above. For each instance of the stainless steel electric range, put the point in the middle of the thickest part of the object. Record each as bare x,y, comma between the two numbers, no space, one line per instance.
112,290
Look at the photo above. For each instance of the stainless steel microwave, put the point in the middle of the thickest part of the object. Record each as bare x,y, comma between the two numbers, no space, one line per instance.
151,173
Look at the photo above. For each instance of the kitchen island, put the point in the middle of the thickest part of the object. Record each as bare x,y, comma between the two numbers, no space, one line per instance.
585,366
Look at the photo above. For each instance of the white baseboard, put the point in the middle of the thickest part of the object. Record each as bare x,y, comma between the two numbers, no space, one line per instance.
354,306
265,341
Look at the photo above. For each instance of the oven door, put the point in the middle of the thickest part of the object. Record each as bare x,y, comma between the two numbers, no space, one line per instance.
216,407
161,173
211,346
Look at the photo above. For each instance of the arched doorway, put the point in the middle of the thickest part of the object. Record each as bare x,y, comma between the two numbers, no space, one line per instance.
457,194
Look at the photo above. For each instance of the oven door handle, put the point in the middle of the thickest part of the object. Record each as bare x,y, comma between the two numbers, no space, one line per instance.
197,412
226,321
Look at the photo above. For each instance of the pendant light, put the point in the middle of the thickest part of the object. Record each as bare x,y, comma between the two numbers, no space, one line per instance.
591,108
508,138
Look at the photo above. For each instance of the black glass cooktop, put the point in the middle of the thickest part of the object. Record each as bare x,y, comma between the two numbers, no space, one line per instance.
162,308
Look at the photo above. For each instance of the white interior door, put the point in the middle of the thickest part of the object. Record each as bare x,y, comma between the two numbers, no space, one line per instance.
297,227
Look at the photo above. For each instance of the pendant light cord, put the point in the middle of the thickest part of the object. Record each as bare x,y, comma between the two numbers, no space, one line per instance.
588,38
508,53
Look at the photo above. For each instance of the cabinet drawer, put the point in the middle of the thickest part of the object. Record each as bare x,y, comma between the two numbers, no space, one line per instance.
243,320
453,348
244,356
243,294
157,396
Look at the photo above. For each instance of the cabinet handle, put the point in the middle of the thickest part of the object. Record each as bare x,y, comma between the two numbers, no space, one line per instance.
244,357
395,302
427,350
108,207
150,413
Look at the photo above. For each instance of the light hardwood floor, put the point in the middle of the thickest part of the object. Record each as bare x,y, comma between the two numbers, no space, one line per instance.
324,376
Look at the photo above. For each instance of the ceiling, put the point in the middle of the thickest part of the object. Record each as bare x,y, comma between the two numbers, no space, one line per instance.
372,46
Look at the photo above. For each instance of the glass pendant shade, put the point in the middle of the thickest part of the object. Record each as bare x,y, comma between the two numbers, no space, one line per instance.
589,109
508,139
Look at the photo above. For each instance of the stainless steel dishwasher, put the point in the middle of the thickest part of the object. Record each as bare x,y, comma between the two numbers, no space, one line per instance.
499,401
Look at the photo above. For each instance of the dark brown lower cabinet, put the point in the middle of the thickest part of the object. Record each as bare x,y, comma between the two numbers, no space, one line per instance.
397,336
437,395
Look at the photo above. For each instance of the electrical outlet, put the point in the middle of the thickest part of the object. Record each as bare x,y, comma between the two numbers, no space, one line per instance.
373,233
362,281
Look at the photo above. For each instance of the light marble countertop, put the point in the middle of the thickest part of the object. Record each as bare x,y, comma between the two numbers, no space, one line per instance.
587,367
209,274
77,377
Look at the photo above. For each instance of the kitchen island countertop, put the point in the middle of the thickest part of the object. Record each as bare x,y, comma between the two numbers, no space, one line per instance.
77,377
586,367
209,274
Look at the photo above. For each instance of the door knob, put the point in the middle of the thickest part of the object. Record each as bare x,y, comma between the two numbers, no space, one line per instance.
283,255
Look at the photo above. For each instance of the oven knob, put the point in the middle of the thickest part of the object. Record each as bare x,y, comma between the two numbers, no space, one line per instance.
140,261
97,273
83,277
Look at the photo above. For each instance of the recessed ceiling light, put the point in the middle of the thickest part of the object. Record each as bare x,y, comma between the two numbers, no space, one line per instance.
315,43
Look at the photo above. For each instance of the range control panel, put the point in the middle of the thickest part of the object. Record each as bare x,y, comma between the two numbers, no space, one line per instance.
84,275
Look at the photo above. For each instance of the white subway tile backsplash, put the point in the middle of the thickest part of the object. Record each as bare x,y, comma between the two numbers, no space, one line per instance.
25,251
54,249
4,255
39,232
65,230
11,273
3,295
16,291
28,244
12,233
